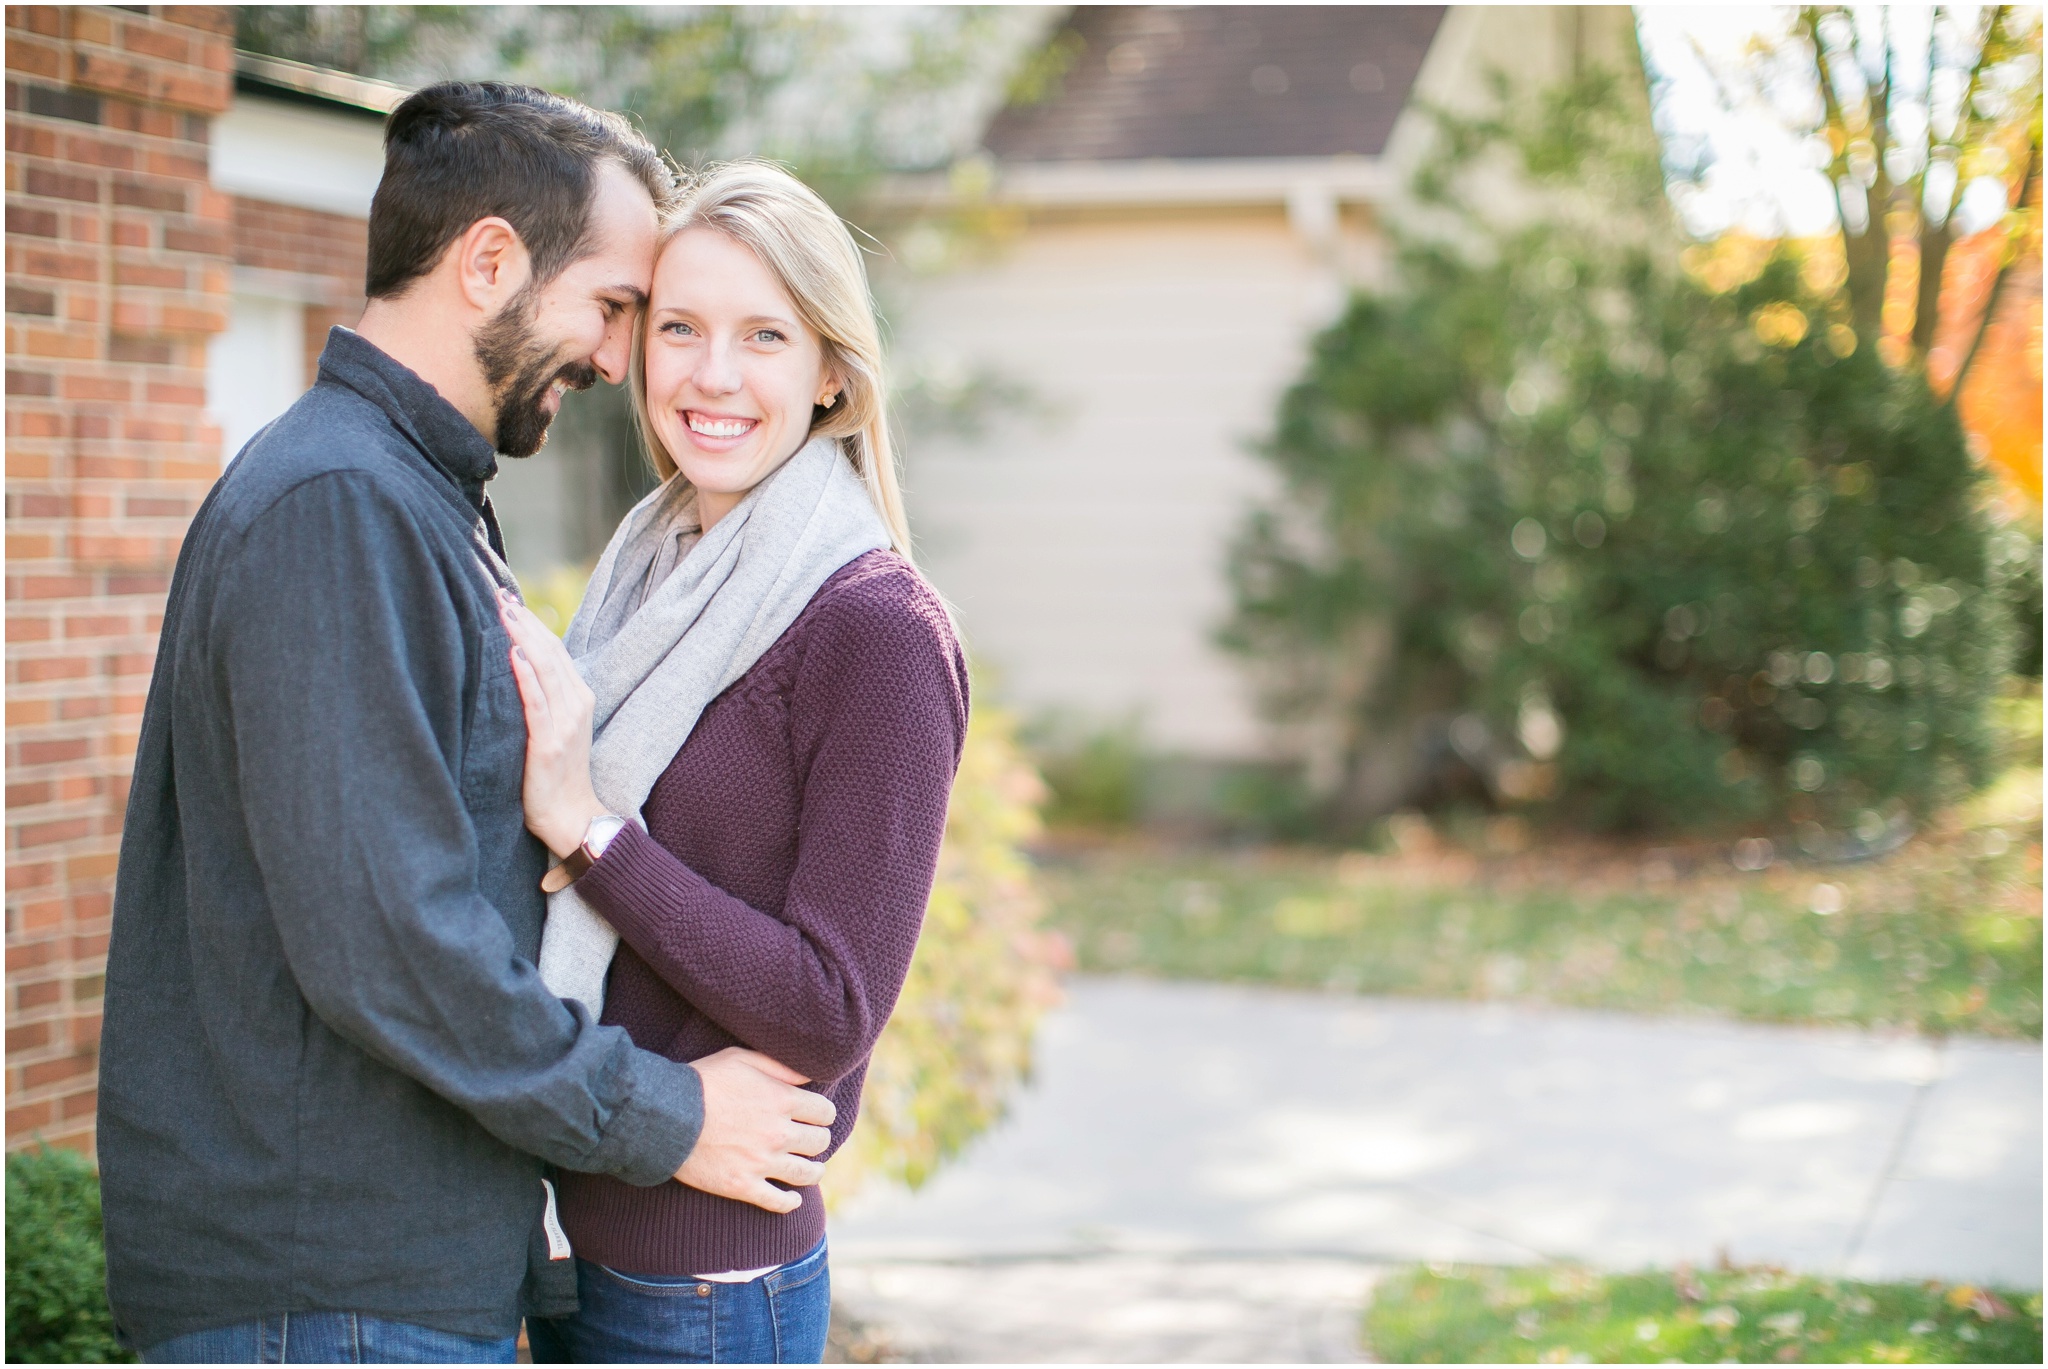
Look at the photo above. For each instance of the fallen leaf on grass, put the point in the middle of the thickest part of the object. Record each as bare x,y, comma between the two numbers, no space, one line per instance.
1688,1286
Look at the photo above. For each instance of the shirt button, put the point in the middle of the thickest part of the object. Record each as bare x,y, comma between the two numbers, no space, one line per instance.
703,1290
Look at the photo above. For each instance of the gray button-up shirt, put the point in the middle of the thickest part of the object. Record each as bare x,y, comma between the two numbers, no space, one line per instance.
330,1074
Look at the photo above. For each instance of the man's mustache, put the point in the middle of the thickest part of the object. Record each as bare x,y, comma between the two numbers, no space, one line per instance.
577,375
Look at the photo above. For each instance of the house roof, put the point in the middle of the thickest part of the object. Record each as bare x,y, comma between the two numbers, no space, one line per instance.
343,92
1237,81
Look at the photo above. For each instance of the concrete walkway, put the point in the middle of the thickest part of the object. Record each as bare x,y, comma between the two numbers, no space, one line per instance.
1213,1172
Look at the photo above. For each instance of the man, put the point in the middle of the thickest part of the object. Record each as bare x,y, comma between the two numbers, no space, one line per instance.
330,1074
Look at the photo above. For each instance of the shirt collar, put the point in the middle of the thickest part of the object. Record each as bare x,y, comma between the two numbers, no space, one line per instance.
447,439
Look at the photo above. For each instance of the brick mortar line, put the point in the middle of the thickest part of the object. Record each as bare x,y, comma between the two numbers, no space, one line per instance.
85,1011
63,811
59,811
89,845
86,1017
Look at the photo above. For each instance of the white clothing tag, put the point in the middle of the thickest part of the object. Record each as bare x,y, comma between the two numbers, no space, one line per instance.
551,1222
736,1275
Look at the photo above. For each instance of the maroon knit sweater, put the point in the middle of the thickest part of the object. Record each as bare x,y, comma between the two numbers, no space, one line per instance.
776,896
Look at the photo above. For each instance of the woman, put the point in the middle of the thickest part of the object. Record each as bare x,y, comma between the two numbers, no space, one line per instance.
778,702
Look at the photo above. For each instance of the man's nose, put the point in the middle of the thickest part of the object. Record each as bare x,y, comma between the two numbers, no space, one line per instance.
614,354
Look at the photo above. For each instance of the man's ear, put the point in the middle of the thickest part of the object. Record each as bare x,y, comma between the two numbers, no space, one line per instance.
491,264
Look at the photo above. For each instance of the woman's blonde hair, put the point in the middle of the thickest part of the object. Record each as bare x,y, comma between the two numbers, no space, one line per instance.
810,252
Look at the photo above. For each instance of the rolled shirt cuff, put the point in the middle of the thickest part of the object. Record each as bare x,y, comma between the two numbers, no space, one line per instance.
656,1127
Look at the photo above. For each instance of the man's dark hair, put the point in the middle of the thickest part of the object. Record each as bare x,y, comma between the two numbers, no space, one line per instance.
460,151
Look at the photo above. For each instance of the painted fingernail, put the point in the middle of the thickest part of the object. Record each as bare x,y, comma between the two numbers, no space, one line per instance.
520,652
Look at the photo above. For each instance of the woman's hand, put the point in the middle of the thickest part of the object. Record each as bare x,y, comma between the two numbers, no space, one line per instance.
559,799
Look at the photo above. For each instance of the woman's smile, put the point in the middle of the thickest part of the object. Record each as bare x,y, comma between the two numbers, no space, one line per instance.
718,432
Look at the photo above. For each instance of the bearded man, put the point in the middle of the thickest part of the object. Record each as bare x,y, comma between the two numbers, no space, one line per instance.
331,1079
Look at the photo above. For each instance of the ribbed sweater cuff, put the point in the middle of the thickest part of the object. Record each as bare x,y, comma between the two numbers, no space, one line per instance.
633,880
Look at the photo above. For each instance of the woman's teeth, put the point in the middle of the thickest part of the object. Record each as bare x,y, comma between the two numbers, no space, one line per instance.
718,427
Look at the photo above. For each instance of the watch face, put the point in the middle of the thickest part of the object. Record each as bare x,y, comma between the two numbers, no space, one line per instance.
600,833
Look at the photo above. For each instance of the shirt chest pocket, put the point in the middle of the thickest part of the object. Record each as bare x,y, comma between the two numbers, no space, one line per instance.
494,763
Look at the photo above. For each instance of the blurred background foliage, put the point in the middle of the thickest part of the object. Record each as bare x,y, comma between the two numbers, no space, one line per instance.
1924,126
1582,521
838,94
1095,775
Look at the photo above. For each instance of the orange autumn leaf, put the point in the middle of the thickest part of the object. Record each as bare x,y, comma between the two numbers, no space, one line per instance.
2001,400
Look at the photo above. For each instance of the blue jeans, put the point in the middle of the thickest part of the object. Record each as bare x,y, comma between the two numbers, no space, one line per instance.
329,1338
779,1318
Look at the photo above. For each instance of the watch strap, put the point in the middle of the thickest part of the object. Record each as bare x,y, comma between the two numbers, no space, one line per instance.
596,837
567,873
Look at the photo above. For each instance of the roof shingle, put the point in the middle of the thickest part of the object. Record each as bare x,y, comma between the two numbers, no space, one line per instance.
1224,81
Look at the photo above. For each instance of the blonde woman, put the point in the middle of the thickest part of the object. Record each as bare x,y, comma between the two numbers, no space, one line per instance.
741,754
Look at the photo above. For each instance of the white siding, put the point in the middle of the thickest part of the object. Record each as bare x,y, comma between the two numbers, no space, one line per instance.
290,154
256,368
1083,547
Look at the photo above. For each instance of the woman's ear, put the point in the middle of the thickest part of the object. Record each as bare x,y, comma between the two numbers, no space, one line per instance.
830,389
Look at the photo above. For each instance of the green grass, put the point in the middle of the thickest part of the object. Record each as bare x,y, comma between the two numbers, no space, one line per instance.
1944,935
1561,1314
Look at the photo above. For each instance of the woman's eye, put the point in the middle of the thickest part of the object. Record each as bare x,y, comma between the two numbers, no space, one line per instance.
676,328
768,335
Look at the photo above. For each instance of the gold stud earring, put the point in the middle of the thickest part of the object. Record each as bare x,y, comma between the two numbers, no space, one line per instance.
828,401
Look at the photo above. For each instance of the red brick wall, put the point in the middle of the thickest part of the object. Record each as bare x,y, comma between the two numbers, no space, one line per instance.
307,242
118,269
310,242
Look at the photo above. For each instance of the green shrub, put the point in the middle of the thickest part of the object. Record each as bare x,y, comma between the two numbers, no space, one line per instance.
1094,777
1611,545
1104,779
56,1262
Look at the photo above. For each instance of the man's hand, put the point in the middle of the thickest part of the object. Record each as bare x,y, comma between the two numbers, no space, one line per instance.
757,1126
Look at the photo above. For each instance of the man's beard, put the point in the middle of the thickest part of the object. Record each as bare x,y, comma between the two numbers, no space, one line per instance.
521,368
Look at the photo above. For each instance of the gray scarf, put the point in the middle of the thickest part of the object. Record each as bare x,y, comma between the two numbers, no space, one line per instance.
657,650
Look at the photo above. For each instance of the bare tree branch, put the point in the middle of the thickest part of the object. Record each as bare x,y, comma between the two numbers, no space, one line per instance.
1867,253
1937,234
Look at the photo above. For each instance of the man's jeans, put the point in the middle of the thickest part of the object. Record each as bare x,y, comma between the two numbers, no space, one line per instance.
779,1318
329,1338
